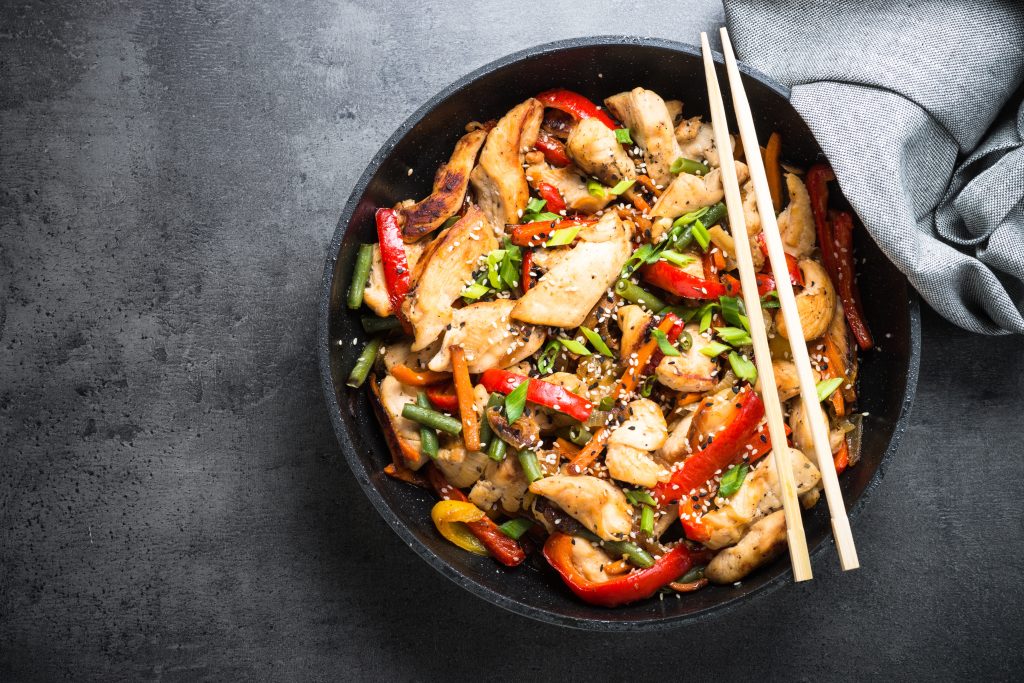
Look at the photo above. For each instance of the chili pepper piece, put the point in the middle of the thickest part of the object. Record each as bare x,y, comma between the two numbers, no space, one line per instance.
393,257
574,104
677,281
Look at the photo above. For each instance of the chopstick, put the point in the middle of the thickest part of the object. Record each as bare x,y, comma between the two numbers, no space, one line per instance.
799,558
776,256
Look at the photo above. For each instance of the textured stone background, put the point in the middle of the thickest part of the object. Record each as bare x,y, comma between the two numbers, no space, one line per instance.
172,502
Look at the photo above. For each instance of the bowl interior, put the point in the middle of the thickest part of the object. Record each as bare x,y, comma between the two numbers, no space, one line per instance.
597,68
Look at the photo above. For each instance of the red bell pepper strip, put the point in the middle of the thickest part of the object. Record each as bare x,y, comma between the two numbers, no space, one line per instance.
501,547
527,266
392,255
576,105
537,233
792,265
443,397
733,287
841,458
845,279
693,526
620,590
550,194
553,149
540,392
818,178
723,451
677,281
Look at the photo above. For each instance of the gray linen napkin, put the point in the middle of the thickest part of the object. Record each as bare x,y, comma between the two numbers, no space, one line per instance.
909,101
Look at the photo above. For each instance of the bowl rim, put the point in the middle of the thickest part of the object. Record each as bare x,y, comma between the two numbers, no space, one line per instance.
348,447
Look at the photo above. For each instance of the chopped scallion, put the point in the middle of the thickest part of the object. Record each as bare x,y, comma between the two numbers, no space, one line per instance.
621,186
595,340
664,344
700,233
475,291
826,387
596,189
563,236
734,336
515,528
714,349
676,258
743,368
515,402
546,360
573,346
640,496
647,520
622,136
684,165
732,480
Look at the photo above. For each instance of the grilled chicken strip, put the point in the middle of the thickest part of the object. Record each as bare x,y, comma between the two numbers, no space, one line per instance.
595,503
569,181
442,273
564,295
592,145
691,192
499,182
691,371
756,498
629,446
393,396
796,222
650,125
697,141
762,543
376,293
502,483
450,184
490,338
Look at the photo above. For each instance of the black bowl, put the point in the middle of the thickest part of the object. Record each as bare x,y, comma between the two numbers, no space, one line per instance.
597,67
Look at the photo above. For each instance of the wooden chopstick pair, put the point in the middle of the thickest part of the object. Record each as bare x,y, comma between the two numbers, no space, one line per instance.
776,256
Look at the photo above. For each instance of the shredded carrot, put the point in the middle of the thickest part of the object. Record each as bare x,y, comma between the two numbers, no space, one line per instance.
638,201
773,169
467,409
402,473
588,454
617,567
687,399
836,368
417,378
566,448
718,258
646,181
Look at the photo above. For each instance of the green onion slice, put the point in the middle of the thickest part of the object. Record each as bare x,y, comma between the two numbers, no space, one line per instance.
515,402
563,236
732,480
595,340
596,189
743,368
664,344
622,136
546,360
827,387
714,349
621,186
573,346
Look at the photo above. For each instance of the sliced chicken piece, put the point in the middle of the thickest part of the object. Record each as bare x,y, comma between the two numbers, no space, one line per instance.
564,295
691,372
691,192
697,141
592,145
590,560
597,504
675,110
376,293
756,498
460,467
677,446
796,222
499,183
629,446
393,396
786,379
400,352
634,323
650,126
502,483
570,183
443,272
752,218
450,184
489,337
761,544
816,302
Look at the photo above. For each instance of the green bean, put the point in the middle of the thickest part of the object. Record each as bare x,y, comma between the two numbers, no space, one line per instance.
647,519
428,437
496,449
431,418
531,466
372,324
364,363
695,574
634,553
515,528
715,214
683,240
360,274
577,434
638,295
495,400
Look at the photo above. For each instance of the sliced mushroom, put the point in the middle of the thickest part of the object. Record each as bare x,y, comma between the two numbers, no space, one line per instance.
597,504
490,338
499,182
450,184
815,303
592,145
441,275
649,122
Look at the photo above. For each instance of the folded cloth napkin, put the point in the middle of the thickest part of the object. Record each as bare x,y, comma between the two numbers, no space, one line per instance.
916,105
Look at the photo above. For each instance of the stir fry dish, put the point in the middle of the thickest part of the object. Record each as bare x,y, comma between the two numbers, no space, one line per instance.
560,351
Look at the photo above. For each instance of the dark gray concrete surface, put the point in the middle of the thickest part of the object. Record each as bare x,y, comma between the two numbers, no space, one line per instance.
172,501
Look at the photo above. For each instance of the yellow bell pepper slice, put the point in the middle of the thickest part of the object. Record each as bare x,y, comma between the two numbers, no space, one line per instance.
450,517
